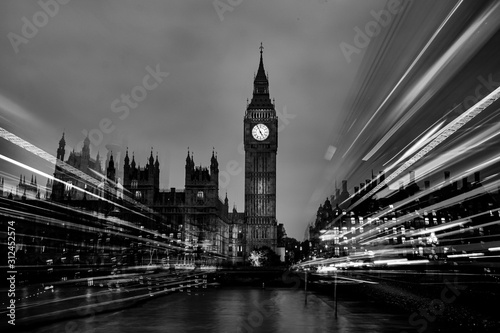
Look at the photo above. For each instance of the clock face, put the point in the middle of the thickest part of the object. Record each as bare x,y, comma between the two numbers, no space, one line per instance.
260,132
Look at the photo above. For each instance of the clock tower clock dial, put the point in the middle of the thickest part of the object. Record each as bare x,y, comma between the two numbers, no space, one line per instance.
260,132
261,146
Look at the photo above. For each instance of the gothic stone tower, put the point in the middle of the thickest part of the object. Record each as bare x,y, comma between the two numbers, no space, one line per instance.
78,160
260,137
142,184
202,204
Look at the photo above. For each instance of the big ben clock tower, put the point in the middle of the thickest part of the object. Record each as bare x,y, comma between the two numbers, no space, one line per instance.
261,145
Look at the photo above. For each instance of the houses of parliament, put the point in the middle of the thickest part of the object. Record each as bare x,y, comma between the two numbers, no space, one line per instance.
193,219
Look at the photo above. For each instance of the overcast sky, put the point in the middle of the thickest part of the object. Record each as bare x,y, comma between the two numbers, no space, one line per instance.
70,74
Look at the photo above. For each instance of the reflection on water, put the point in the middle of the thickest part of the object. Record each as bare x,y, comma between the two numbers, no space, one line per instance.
229,310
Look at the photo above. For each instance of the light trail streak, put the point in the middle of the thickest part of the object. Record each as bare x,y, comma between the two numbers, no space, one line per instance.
427,137
66,167
443,204
471,145
92,229
408,70
14,109
41,173
450,233
465,255
356,280
102,219
444,133
442,227
449,202
468,39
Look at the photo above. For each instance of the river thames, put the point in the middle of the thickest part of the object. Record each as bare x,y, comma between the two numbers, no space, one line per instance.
230,309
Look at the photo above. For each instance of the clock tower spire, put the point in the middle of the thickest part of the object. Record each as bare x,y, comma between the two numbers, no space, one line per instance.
261,146
260,97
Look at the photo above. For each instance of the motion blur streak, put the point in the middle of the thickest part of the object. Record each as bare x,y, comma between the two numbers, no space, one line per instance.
439,74
444,133
429,42
423,141
444,204
453,155
41,173
13,110
50,158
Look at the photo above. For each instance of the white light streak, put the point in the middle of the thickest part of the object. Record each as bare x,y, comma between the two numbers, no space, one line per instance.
53,160
469,39
444,133
464,255
429,42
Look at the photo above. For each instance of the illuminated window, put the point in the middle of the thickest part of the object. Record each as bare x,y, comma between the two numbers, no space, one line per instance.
69,186
200,195
138,195
134,184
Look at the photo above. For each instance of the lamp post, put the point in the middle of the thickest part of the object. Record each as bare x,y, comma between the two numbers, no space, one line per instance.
335,294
